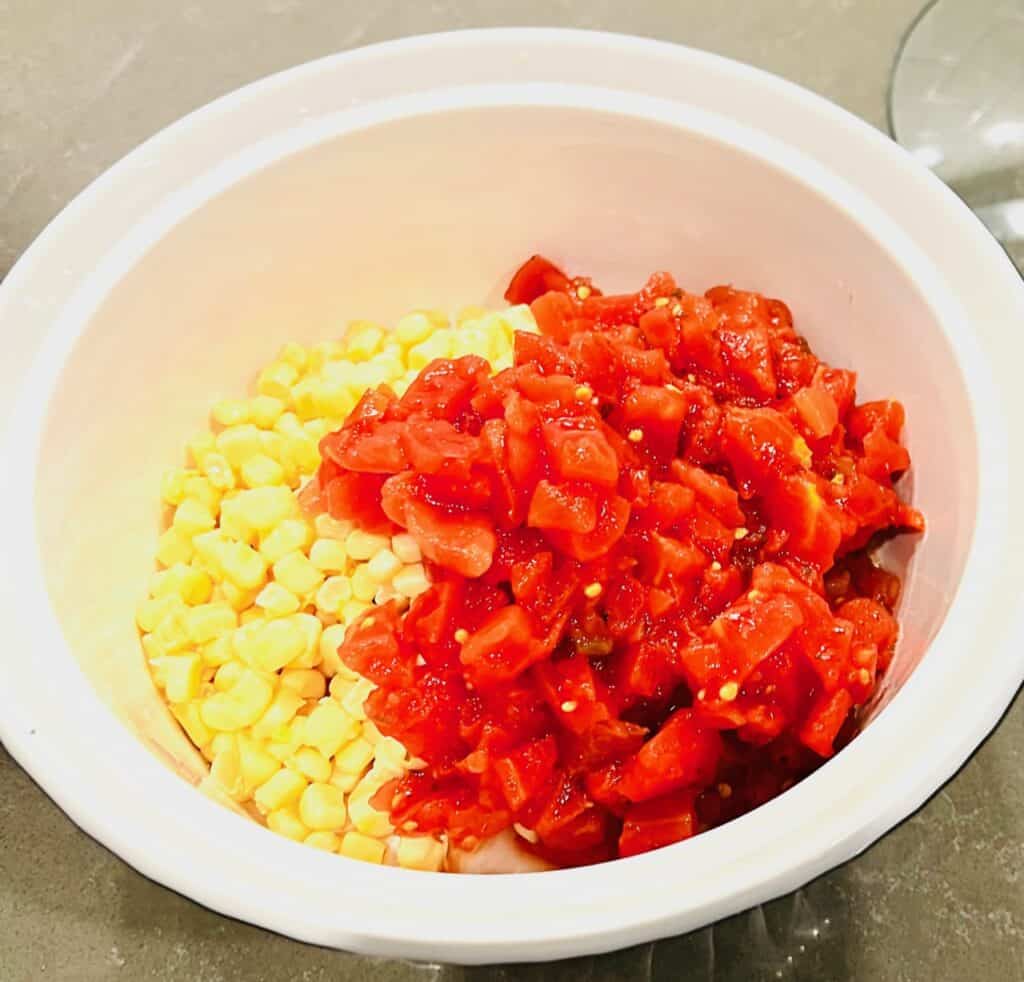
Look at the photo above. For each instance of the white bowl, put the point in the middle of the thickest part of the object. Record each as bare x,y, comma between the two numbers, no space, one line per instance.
420,173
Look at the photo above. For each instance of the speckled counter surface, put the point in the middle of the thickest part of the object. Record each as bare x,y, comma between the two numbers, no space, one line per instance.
83,81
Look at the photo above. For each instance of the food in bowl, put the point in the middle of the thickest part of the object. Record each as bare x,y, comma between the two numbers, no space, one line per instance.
590,574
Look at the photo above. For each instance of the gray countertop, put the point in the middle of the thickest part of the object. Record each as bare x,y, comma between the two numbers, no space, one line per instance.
82,82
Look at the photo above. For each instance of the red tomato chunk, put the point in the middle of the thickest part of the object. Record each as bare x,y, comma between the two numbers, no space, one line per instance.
652,605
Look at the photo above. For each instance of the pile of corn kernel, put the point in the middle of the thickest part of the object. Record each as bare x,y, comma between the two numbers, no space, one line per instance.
244,617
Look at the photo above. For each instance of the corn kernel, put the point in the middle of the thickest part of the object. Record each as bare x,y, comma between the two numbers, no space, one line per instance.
383,565
192,517
190,718
174,546
276,380
311,628
330,641
323,352
307,682
240,706
353,700
312,765
328,727
322,807
364,816
264,508
286,822
386,593
342,781
295,355
362,340
438,345
389,755
362,545
238,443
281,711
411,581
355,845
218,472
269,645
405,547
200,446
257,766
226,770
153,610
352,610
172,486
333,592
277,601
329,527
218,651
413,328
354,757
291,535
239,600
281,790
327,841
295,572
264,411
364,586
227,676
182,675
208,621
421,852
328,555
261,471
303,453
243,565
191,585
230,412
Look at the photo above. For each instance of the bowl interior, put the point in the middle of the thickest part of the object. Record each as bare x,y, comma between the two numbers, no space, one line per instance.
436,210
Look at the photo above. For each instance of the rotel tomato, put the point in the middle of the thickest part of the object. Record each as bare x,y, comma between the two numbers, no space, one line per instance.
649,595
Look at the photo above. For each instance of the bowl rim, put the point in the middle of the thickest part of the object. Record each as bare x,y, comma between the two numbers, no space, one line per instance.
514,917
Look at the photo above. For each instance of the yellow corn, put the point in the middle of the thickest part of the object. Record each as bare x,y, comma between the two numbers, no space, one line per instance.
230,412
307,682
404,546
277,601
311,764
286,822
354,757
282,789
328,556
420,852
364,816
276,380
282,709
295,572
290,535
327,841
261,471
189,584
411,581
174,546
328,727
355,845
205,622
360,545
322,807
364,586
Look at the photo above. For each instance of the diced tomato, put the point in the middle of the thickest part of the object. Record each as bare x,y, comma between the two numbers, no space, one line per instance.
502,648
650,594
462,543
653,824
560,506
683,753
526,771
534,278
